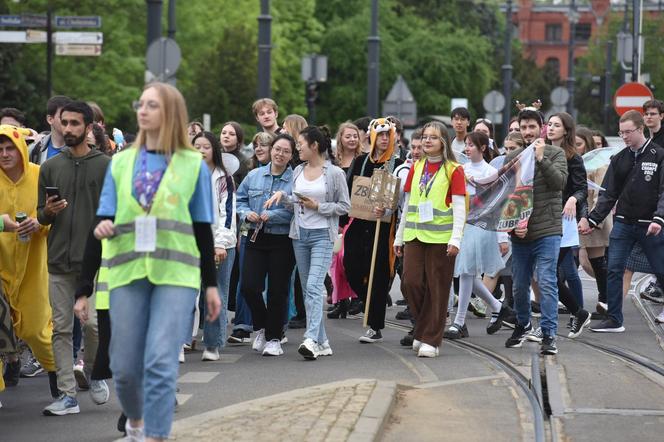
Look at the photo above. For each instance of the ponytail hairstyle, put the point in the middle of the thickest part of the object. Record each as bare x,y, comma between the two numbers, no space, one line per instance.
481,141
322,137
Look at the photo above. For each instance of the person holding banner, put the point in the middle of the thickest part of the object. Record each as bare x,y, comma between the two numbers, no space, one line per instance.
482,250
535,245
359,237
429,236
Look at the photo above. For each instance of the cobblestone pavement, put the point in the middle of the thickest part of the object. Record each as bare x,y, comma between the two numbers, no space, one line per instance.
326,412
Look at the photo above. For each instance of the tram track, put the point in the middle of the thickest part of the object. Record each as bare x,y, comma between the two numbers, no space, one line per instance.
530,387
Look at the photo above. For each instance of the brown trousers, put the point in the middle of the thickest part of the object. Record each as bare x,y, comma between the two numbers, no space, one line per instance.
427,277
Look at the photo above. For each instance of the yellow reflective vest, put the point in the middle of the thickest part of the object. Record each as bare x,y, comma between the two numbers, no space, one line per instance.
439,229
176,258
102,293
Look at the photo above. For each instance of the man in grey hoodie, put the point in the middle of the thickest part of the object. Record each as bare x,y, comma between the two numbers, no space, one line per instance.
78,174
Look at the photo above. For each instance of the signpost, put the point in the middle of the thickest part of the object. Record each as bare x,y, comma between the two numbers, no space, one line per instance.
82,38
90,21
631,96
401,103
78,50
163,58
494,103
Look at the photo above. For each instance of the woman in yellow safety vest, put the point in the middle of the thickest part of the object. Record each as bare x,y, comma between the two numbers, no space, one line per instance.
157,205
429,235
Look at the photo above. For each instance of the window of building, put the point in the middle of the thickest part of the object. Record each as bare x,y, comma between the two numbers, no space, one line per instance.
552,66
582,31
554,32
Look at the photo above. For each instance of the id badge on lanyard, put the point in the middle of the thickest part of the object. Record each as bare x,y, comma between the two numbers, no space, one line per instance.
145,233
425,211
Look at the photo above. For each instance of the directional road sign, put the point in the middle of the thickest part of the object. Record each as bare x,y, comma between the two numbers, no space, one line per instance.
23,20
81,21
78,50
13,37
86,38
631,96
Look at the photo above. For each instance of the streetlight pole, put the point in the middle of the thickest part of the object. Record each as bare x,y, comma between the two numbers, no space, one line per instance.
49,51
373,77
171,19
264,48
636,39
573,18
507,69
154,20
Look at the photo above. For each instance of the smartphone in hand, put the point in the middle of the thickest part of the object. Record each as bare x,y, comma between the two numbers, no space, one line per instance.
53,191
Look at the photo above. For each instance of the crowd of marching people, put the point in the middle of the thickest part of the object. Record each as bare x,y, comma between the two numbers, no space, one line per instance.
128,245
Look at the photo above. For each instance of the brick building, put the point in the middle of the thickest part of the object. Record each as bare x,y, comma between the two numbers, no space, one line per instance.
544,27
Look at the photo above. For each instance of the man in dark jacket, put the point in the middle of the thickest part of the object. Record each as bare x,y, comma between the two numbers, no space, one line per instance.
634,184
536,247
78,174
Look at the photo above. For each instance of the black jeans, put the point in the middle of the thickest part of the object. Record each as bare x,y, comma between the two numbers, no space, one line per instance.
102,367
271,256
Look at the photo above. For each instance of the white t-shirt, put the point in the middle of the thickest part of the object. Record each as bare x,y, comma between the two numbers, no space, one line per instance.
477,171
310,218
458,147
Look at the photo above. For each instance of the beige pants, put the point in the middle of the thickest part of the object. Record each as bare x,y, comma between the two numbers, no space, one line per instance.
61,289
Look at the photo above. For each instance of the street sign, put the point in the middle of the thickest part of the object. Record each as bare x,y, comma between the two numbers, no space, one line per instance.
401,103
163,58
13,37
559,96
78,50
23,20
11,20
495,117
81,21
458,102
493,102
87,38
35,36
631,96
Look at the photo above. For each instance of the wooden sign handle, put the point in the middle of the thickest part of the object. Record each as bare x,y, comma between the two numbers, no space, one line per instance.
371,272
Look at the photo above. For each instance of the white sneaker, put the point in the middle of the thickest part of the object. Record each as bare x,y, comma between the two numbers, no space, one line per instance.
273,348
308,349
427,351
133,434
259,340
181,355
284,340
660,317
81,378
99,392
324,349
210,354
416,344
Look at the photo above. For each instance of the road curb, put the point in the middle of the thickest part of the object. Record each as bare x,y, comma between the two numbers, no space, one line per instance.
367,428
376,413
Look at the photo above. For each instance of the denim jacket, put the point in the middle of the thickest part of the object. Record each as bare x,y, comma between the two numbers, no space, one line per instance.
337,199
256,188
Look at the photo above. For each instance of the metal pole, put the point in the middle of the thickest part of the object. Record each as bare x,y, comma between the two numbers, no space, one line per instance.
635,39
606,110
49,51
373,77
154,20
570,58
171,18
264,48
507,69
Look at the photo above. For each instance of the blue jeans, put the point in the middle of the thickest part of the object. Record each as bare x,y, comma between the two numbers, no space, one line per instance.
242,319
313,255
214,333
147,325
622,239
540,255
570,273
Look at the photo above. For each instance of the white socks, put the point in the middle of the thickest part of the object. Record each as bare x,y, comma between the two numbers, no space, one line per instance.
467,285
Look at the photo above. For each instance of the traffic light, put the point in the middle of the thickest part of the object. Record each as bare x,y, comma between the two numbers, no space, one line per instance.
598,85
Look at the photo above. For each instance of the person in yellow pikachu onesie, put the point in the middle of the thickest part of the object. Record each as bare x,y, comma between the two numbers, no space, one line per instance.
23,256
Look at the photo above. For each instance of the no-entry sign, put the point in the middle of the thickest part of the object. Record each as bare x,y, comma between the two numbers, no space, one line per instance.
631,96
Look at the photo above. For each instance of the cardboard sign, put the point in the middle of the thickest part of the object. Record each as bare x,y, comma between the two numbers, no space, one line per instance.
361,205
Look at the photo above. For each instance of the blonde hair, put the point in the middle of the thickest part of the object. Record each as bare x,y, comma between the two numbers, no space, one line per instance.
340,144
448,153
293,124
173,128
263,102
